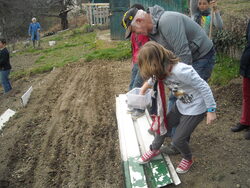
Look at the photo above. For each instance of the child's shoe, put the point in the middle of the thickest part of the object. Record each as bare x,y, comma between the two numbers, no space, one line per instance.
184,166
146,157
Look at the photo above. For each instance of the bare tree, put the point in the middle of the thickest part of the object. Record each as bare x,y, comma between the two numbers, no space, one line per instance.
15,15
57,8
12,17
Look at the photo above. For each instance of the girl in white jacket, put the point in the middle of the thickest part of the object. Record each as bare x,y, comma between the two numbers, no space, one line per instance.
195,100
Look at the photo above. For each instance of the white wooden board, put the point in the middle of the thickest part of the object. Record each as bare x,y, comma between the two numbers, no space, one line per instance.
26,96
5,117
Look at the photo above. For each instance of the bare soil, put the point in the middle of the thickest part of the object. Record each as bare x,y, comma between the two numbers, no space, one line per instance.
67,134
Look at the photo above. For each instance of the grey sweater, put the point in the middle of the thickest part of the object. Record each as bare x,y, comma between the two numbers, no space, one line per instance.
178,33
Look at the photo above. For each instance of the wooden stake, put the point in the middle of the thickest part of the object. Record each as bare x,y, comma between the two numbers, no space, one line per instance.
211,24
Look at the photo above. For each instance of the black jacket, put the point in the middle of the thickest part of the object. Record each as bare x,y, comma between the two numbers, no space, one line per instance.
245,58
4,59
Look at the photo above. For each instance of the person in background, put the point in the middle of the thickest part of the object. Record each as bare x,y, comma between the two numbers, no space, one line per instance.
201,14
137,41
34,32
195,100
5,66
245,73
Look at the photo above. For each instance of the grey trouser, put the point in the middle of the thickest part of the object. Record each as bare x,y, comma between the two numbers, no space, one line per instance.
185,125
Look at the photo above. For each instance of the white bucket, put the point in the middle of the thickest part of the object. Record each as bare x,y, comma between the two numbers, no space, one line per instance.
135,100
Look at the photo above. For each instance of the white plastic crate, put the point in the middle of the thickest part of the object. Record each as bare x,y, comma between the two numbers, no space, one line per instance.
138,101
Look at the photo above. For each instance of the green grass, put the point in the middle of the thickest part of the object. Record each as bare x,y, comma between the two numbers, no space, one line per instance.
239,8
71,46
121,52
225,70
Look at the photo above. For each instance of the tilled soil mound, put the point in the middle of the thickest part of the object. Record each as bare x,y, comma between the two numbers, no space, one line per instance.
67,135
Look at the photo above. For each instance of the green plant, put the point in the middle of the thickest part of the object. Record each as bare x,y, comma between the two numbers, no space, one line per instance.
225,69
224,40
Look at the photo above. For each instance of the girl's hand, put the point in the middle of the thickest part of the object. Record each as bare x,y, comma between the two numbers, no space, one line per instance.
144,88
211,116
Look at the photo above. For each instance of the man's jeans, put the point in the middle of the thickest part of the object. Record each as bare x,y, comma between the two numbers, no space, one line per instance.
136,79
204,68
4,74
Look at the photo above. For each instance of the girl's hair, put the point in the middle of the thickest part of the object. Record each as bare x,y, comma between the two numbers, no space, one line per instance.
153,60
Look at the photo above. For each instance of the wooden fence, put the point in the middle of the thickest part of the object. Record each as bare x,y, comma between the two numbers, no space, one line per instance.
97,13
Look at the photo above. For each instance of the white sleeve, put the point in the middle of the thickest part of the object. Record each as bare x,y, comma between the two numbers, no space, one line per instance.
190,77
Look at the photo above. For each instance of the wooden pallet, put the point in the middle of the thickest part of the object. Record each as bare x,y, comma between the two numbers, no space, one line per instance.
135,140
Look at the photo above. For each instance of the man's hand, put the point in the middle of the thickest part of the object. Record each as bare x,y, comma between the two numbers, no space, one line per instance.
211,116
